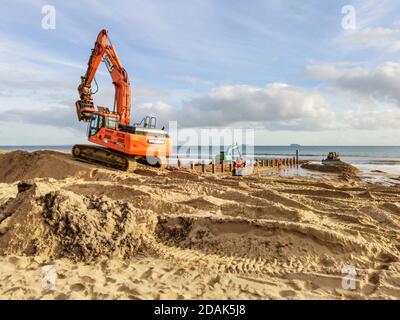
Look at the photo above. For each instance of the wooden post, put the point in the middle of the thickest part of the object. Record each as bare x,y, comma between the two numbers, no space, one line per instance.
213,166
191,165
203,166
179,163
294,161
222,166
230,166
297,157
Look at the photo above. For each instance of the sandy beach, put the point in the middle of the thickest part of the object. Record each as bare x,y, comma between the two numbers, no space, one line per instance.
177,234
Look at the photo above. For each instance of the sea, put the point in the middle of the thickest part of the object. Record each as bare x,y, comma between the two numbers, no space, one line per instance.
377,163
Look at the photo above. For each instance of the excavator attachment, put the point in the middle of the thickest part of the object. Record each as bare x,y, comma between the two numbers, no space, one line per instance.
84,110
84,106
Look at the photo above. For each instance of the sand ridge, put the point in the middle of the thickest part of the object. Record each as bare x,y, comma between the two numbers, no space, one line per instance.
178,234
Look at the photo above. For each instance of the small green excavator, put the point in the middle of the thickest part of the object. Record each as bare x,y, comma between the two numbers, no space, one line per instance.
240,167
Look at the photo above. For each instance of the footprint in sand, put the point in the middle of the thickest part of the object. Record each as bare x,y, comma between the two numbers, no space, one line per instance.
147,274
287,293
77,287
87,279
112,280
61,296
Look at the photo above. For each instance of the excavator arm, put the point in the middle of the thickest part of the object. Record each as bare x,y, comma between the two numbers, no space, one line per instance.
103,51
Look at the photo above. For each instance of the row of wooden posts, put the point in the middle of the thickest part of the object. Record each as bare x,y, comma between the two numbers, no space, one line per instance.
271,163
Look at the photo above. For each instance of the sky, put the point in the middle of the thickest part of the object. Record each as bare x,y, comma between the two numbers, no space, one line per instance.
309,72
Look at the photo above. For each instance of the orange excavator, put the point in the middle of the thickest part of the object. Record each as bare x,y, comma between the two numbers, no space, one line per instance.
119,144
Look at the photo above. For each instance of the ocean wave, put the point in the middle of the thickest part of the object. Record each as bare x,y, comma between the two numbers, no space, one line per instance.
384,162
355,155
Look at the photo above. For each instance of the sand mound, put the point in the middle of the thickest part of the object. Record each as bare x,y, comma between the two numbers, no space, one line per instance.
63,224
21,165
171,234
346,171
263,241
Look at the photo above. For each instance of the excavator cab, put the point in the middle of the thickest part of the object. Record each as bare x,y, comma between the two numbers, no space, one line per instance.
100,120
95,124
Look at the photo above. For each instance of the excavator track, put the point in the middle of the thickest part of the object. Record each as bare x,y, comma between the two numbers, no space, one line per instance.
103,156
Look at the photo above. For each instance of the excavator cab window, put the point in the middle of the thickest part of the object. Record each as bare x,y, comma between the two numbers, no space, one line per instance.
96,122
111,123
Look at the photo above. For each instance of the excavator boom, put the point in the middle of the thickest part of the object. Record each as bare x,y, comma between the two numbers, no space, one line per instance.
103,51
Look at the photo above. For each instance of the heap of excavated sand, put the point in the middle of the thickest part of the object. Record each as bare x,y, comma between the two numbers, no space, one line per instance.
63,224
22,165
345,170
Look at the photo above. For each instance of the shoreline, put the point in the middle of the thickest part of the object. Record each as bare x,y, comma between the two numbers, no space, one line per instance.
370,173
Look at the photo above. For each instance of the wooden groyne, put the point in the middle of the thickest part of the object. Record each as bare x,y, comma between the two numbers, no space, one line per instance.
221,167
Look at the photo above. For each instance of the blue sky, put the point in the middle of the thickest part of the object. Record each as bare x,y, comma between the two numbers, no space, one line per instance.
287,68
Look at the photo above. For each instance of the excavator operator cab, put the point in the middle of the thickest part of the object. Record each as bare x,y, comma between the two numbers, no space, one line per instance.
95,124
99,120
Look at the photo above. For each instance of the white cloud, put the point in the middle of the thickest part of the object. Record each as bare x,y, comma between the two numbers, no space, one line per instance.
194,80
372,120
379,83
17,133
143,91
373,12
276,106
384,39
